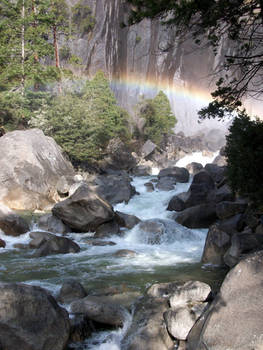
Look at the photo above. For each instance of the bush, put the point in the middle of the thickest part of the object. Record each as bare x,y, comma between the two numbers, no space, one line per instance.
244,151
159,118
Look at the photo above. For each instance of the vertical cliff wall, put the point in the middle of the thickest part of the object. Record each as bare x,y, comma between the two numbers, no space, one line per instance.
144,58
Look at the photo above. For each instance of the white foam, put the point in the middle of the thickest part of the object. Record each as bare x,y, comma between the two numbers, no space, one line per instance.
197,157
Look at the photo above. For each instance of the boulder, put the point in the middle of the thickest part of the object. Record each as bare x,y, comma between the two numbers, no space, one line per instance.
31,165
149,186
11,223
84,211
227,209
217,172
2,243
201,190
179,174
127,220
194,168
179,321
220,160
97,310
51,223
235,318
115,188
216,244
108,229
119,156
189,292
80,328
232,225
97,242
166,183
199,216
224,193
125,253
153,230
163,290
57,245
143,169
148,148
152,333
176,204
31,319
70,291
38,238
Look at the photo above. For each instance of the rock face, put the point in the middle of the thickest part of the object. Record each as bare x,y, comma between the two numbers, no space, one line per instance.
31,319
84,211
31,165
10,223
235,318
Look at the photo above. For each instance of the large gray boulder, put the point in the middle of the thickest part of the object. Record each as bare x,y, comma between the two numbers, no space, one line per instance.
115,188
97,310
235,318
227,209
30,319
11,223
57,245
198,216
216,244
31,165
179,174
84,211
70,291
126,220
49,222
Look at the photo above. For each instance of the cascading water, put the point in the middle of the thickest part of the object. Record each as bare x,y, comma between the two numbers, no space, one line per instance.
173,255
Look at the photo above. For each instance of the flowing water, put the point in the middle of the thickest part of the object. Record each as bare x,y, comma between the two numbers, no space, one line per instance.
176,257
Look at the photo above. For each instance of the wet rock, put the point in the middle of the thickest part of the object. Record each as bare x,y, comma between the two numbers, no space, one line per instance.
31,165
163,290
194,168
108,229
153,229
38,238
21,246
71,290
190,292
179,321
227,209
229,324
2,243
152,334
57,245
128,221
179,174
176,204
51,223
143,169
84,211
97,310
149,186
31,319
216,244
11,223
97,242
125,253
199,216
166,183
80,328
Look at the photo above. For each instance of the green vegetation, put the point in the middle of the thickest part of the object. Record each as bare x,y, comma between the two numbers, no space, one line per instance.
82,18
83,123
159,119
244,151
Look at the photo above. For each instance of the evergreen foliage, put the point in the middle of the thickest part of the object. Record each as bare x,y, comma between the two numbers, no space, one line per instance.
244,151
83,123
82,17
159,118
